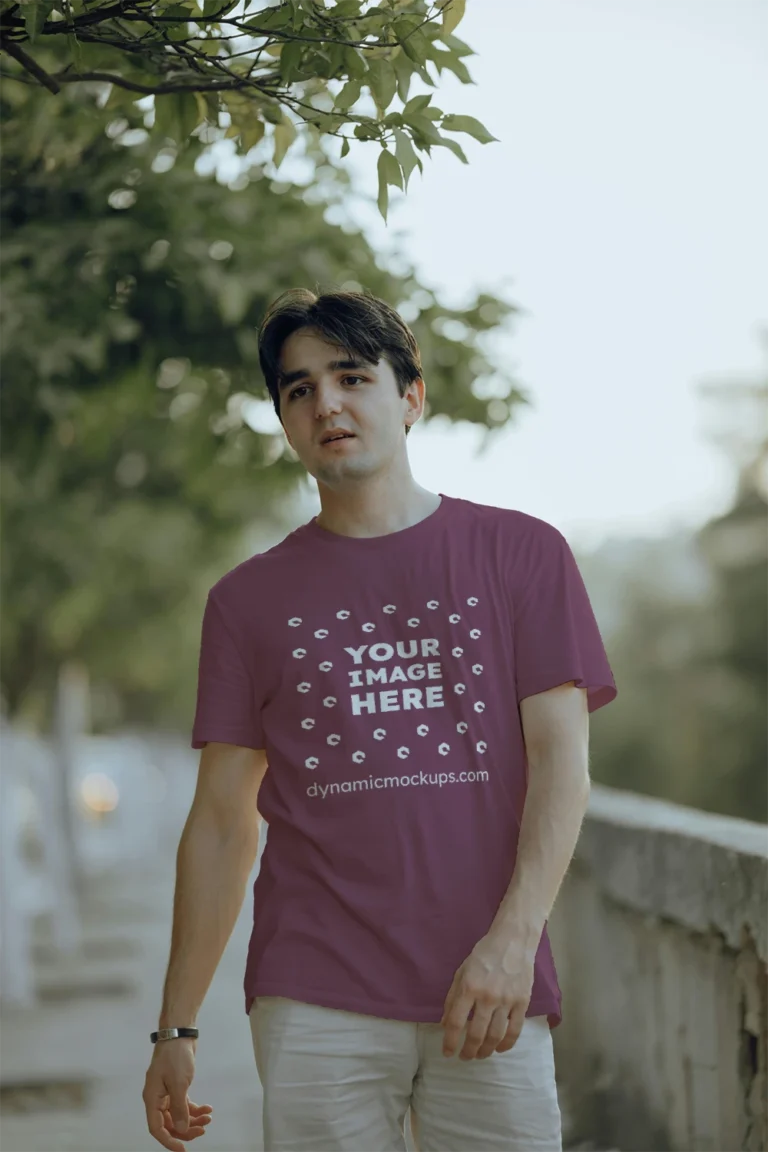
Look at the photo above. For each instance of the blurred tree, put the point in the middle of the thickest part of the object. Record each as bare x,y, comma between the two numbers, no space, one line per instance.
690,656
132,397
270,71
736,547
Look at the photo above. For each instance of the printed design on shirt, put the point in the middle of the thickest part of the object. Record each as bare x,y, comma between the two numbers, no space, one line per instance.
386,676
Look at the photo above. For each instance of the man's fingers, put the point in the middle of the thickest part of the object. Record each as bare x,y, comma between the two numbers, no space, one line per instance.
498,1029
157,1128
455,1022
514,1028
476,1033
199,1108
195,1128
178,1106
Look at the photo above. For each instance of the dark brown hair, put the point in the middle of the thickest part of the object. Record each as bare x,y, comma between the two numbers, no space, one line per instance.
361,323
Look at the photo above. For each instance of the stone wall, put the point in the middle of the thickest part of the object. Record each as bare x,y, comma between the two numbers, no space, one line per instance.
660,936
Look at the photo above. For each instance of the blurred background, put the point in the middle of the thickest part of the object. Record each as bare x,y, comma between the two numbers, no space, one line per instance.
589,294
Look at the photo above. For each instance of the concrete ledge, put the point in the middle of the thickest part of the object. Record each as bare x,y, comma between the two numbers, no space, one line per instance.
660,936
701,870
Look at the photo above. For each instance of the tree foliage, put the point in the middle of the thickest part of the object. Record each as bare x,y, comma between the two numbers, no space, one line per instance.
136,449
264,73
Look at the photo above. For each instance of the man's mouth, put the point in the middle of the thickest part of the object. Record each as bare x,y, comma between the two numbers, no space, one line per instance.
338,436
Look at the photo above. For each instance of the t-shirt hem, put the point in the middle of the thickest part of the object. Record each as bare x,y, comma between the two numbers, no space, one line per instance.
240,738
539,1007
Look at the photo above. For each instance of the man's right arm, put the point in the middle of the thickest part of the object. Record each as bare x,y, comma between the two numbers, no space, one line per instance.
216,854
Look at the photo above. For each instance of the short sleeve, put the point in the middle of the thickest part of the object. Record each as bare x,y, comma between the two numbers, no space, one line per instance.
556,637
227,706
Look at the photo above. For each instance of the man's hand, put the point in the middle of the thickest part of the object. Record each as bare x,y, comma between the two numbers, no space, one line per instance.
171,1115
496,980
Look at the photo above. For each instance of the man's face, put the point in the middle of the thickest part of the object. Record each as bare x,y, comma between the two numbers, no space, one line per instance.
327,392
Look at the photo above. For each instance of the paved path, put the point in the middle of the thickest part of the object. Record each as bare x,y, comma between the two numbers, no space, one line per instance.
105,1038
94,1023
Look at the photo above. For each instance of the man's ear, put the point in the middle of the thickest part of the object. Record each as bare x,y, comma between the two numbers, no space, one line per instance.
413,414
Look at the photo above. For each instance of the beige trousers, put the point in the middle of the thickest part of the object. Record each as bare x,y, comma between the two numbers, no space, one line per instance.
337,1081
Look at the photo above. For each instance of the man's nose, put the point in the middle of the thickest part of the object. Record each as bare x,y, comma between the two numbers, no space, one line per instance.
328,399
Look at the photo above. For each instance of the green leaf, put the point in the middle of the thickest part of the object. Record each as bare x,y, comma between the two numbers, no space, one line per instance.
271,19
345,146
389,166
290,61
252,133
425,128
208,106
365,130
405,153
177,114
272,113
383,197
36,12
458,67
457,46
454,147
327,121
348,95
469,125
453,12
417,47
417,104
179,31
382,81
335,55
354,63
285,134
345,9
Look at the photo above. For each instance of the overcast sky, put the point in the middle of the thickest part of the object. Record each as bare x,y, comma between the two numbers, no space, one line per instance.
624,209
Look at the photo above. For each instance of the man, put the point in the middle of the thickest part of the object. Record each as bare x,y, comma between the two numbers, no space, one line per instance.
403,686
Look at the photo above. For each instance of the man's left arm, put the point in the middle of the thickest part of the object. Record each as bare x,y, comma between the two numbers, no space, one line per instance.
496,980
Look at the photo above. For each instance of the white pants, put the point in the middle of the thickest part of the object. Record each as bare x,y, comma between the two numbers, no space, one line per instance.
338,1081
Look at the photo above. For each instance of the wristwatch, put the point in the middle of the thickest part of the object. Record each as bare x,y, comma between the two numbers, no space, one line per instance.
172,1033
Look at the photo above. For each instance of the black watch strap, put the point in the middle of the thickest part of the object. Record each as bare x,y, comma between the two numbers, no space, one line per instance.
172,1033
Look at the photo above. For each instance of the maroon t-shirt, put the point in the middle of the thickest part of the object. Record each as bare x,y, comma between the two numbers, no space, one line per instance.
383,675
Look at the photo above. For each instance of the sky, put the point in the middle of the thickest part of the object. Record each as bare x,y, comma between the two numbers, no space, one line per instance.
623,209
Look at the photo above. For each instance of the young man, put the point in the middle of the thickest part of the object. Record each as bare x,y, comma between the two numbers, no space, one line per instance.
403,686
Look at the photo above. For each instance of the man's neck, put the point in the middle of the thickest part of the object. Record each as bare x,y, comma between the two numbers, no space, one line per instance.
365,521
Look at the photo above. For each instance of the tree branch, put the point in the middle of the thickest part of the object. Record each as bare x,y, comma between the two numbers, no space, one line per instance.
31,66
146,89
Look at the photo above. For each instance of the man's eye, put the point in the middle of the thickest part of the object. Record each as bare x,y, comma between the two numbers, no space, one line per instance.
302,387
